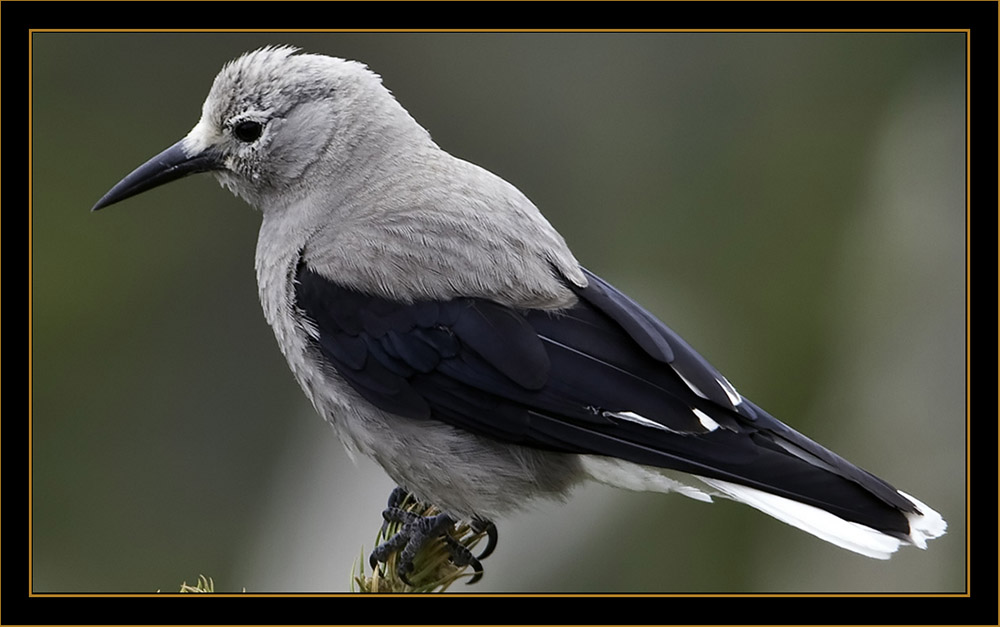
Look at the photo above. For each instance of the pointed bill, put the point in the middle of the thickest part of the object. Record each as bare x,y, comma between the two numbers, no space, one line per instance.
170,165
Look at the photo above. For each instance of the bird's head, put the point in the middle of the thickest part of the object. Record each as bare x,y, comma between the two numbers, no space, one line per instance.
273,115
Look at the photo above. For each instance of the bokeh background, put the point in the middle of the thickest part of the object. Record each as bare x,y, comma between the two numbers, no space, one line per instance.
792,204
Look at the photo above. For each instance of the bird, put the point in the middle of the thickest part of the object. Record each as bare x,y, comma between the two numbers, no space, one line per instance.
444,328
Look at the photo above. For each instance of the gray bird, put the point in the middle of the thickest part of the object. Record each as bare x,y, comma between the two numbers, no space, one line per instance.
443,327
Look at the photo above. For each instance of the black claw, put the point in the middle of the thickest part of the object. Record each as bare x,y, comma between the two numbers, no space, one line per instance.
479,525
462,556
402,569
416,530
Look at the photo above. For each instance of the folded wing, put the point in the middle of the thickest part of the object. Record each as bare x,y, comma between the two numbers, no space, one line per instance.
603,377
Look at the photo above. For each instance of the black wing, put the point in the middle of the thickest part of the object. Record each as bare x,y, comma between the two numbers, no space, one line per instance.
603,377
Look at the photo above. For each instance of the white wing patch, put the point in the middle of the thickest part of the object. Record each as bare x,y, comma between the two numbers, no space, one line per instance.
636,418
705,420
692,386
727,387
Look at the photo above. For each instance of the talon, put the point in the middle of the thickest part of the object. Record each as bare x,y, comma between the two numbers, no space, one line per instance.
462,556
479,525
416,530
402,570
477,569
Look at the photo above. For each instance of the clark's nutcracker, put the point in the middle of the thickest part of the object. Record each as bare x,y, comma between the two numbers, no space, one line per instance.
443,327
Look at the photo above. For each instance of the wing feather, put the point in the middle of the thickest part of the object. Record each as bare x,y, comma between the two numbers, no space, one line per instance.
603,377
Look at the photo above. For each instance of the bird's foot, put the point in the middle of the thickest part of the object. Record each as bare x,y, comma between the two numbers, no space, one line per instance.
417,530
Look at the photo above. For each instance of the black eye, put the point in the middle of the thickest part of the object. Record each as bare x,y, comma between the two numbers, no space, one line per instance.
248,131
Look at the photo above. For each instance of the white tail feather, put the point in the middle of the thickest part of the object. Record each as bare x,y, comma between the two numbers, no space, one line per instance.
822,524
925,525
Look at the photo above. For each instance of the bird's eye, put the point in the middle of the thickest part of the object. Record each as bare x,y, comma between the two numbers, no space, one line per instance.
248,131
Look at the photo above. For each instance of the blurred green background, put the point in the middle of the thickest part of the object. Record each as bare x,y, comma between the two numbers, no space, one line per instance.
792,204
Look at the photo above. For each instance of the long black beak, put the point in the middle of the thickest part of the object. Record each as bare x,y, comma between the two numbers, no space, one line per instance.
170,165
